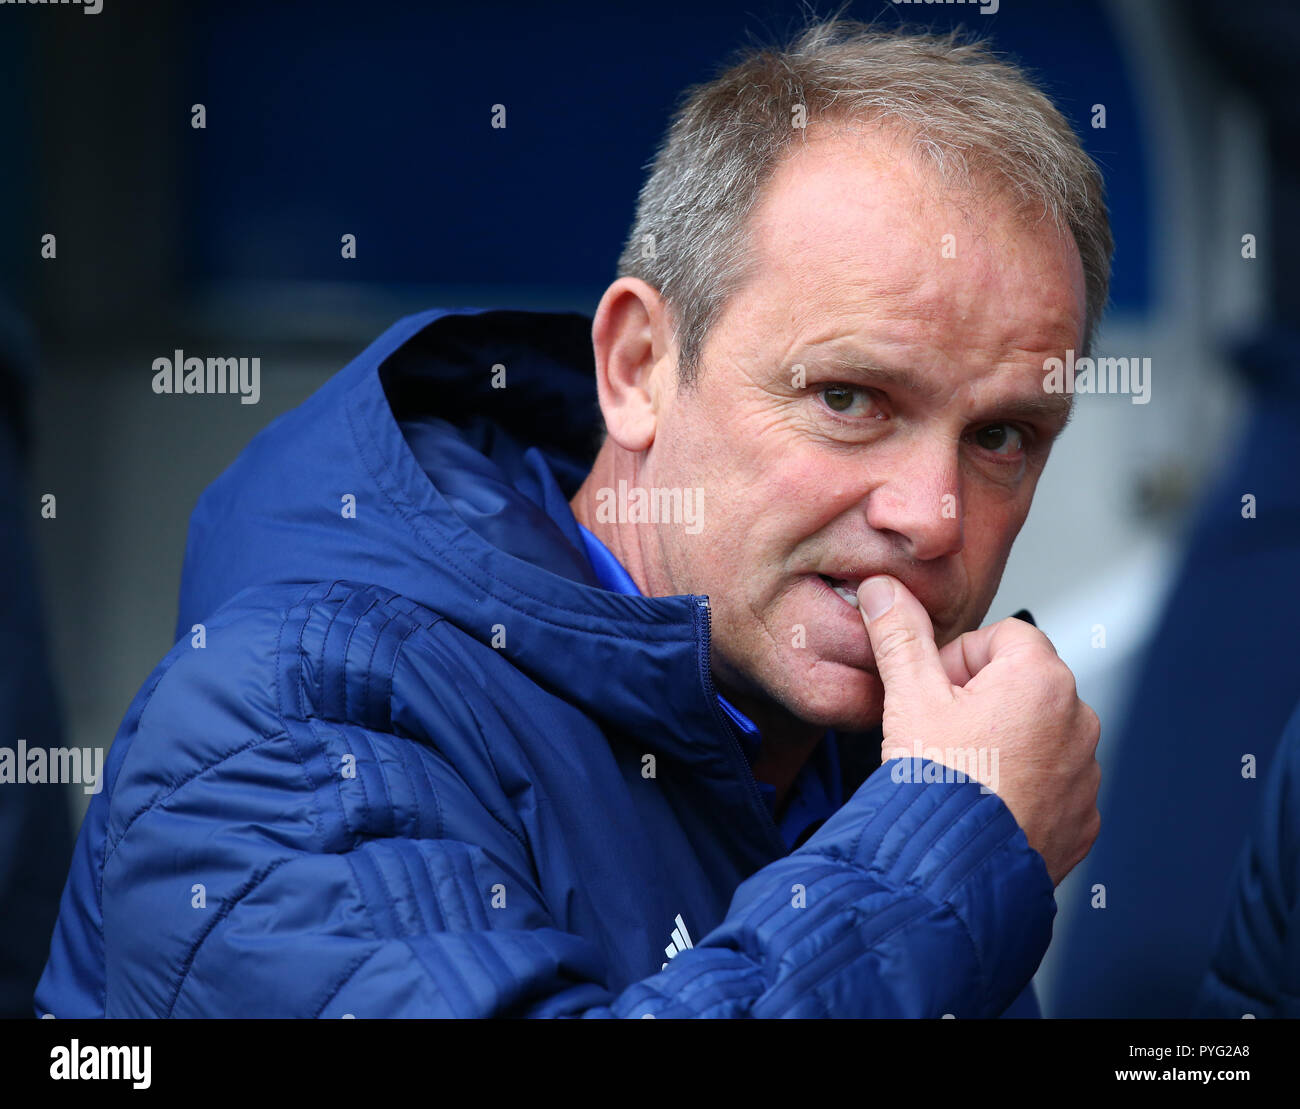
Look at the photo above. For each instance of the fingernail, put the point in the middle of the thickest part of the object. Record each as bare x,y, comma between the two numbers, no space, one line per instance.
876,597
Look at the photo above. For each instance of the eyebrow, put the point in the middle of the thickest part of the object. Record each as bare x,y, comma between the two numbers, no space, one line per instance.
1056,408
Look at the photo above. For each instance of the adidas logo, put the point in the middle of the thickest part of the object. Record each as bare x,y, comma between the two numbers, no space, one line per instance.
681,939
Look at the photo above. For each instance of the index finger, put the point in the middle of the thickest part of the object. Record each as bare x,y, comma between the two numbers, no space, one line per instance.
970,652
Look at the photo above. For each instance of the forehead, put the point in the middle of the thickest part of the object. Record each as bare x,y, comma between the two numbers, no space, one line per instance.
855,236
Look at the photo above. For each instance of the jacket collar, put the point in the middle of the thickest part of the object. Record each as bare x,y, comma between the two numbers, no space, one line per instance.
493,515
461,492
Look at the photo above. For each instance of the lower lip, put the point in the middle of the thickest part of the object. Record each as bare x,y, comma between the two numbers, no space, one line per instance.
853,604
843,635
848,606
855,613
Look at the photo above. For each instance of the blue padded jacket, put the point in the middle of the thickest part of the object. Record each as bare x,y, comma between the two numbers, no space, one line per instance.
407,758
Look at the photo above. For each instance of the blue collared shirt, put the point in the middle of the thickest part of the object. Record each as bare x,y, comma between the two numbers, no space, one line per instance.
816,793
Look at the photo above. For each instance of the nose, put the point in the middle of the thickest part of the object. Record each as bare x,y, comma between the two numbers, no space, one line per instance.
920,503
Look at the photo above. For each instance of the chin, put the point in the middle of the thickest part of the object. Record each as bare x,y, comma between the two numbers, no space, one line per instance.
840,697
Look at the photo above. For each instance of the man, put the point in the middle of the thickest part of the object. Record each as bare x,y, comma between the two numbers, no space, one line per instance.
463,724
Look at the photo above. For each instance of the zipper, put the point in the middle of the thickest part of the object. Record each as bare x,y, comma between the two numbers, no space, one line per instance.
704,639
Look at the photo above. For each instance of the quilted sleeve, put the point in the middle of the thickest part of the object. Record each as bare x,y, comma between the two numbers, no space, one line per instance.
255,861
238,892
915,900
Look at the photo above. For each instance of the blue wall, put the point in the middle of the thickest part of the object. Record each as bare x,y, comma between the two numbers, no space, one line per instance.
324,118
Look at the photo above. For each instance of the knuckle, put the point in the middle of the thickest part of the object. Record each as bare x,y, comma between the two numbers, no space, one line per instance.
1094,728
1065,691
894,642
1058,688
1064,677
1087,727
1041,641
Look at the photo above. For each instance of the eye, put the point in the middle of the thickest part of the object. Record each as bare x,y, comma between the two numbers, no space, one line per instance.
998,437
847,400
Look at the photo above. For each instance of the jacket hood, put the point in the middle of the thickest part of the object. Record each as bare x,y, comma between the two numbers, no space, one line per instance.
460,494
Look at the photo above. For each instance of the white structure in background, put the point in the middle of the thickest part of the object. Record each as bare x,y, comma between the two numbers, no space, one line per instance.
1103,537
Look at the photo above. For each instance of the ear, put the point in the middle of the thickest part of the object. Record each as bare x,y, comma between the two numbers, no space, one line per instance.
631,338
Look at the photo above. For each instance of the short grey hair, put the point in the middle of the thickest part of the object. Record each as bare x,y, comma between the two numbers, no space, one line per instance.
966,110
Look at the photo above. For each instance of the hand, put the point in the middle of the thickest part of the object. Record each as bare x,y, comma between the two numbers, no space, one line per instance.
1005,703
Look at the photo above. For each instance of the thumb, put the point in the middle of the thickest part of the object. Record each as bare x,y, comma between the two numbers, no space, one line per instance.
902,639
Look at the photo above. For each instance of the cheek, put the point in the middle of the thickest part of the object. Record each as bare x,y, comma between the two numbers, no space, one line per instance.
808,489
991,527
760,517
771,490
779,519
696,448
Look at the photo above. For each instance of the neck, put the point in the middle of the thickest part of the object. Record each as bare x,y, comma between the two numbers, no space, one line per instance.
787,740
630,544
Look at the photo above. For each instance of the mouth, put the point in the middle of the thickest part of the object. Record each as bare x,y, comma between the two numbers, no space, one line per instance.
845,588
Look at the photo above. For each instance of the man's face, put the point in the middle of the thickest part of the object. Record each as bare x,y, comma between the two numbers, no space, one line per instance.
909,444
